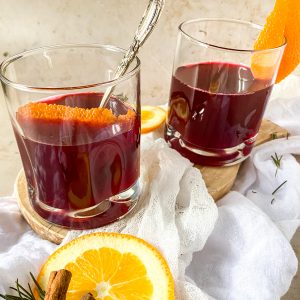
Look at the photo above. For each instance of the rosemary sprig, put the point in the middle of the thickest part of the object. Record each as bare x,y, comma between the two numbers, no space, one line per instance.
24,294
276,161
273,136
277,189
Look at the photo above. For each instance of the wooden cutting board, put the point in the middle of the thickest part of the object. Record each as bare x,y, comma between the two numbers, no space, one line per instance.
219,181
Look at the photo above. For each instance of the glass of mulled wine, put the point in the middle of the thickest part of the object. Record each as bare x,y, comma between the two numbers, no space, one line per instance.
81,161
219,90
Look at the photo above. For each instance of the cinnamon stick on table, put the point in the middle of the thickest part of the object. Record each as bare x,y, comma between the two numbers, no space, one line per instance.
58,285
87,296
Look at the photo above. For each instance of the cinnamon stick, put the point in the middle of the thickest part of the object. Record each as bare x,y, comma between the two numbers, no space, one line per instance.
58,285
87,296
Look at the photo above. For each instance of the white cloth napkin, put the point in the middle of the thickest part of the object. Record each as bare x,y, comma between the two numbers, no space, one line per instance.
246,257
175,213
283,205
21,250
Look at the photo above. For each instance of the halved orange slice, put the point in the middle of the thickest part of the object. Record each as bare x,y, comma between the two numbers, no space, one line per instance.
111,266
152,117
283,22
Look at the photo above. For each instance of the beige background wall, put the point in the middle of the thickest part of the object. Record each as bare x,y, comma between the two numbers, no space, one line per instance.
25,24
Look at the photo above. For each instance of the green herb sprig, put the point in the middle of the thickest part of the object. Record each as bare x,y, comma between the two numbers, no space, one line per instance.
23,293
276,190
274,136
277,161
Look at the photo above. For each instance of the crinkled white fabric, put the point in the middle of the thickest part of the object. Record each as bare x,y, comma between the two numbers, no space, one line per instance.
284,107
283,207
175,213
21,250
246,257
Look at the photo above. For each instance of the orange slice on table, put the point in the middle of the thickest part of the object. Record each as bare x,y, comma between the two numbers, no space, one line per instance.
152,117
111,266
283,22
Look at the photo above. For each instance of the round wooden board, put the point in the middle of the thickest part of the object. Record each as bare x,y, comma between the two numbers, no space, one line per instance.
219,181
44,229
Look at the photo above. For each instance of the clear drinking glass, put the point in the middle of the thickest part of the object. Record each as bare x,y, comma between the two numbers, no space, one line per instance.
219,90
81,162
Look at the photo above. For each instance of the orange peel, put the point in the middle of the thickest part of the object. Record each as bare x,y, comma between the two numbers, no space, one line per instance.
37,111
282,24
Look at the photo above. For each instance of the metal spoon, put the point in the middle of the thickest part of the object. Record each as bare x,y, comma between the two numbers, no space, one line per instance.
146,26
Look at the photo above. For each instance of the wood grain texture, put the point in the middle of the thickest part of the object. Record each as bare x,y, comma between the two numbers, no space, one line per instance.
42,227
219,181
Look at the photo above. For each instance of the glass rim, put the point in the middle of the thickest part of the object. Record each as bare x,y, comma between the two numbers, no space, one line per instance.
226,20
24,87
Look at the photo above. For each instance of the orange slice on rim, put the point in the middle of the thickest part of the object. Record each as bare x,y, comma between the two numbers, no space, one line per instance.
111,266
152,117
283,22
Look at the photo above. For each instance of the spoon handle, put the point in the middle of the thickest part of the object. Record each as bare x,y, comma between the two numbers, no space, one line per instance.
146,26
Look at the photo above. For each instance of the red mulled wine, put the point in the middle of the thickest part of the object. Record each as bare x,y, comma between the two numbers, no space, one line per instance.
76,157
215,111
